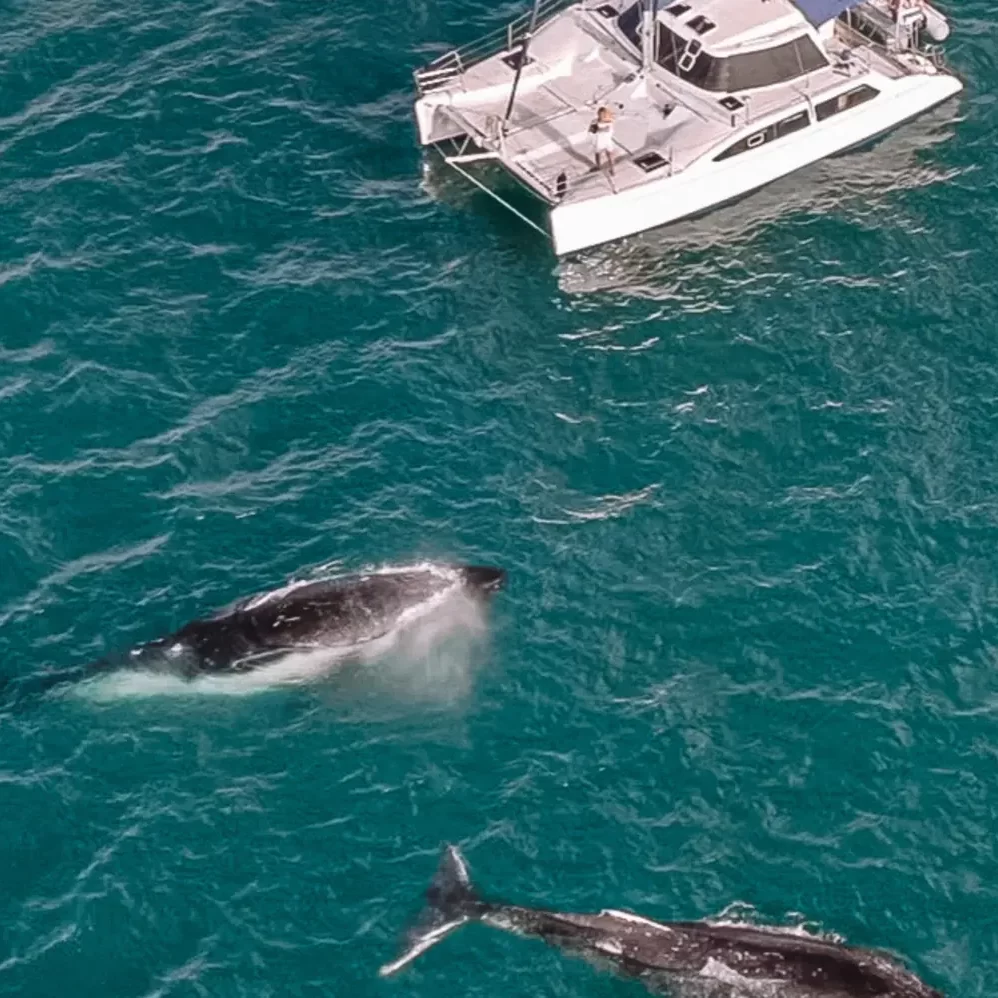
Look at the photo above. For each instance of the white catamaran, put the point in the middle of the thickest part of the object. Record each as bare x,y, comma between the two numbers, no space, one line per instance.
690,103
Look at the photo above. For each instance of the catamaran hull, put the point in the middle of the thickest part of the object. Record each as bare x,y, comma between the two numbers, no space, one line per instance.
702,187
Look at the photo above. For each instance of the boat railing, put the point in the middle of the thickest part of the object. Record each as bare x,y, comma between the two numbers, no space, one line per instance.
937,54
885,37
447,68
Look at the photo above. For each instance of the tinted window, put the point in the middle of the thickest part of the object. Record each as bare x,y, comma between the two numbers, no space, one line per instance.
844,101
738,72
749,142
794,123
669,48
628,23
769,66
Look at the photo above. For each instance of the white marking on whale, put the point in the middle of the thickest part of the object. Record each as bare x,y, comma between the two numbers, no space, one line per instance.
629,916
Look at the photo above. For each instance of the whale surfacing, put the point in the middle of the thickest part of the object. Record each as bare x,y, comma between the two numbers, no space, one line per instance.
694,958
344,613
340,617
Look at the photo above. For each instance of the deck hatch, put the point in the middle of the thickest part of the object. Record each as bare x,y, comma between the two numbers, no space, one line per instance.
700,24
649,161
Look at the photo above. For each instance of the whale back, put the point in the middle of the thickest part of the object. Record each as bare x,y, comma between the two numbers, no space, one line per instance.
795,963
329,613
339,611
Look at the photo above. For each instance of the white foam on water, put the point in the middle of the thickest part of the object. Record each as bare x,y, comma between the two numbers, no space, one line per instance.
798,931
740,914
431,658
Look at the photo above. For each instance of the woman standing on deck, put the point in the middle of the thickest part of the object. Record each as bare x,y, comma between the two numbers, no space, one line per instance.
602,129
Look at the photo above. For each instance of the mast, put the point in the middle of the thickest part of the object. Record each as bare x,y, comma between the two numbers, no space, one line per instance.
649,17
522,62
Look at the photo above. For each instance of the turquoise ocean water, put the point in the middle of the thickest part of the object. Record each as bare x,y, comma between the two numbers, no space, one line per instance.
743,475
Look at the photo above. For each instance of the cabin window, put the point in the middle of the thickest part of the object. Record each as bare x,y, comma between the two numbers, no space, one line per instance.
743,145
670,48
774,65
860,95
689,57
789,125
746,71
630,24
792,124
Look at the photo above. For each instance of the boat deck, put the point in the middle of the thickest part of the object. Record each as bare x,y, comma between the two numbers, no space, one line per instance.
577,63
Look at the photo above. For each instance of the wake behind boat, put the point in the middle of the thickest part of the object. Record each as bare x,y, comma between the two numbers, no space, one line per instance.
685,104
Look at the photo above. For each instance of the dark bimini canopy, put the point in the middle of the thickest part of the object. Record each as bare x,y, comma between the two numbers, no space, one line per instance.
819,11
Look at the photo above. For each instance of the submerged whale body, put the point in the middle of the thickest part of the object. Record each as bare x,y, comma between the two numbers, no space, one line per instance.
693,958
332,614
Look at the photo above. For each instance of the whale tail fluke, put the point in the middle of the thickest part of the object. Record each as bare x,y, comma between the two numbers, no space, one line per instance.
451,901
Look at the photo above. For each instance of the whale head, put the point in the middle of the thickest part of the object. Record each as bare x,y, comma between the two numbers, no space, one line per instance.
483,580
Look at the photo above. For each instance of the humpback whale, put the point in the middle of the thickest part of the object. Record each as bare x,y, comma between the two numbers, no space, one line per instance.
695,958
344,614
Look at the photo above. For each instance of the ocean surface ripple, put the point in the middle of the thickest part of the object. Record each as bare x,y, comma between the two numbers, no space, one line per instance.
742,475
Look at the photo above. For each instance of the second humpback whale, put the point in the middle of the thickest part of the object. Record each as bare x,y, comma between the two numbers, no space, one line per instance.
696,958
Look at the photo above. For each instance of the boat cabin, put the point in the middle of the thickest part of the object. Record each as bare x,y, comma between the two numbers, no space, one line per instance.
729,48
